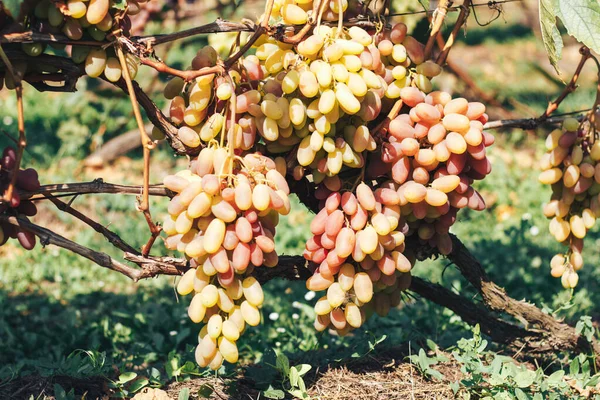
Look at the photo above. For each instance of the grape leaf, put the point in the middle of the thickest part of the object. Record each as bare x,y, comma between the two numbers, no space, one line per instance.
550,34
582,20
13,7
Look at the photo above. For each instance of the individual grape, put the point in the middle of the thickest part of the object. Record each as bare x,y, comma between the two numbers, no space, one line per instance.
363,287
186,283
250,313
196,310
253,291
95,62
96,11
112,70
228,350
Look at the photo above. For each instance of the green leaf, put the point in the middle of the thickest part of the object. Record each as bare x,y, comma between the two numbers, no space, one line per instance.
582,20
303,369
431,344
59,392
455,386
282,363
272,393
137,385
126,377
301,384
184,394
521,394
525,378
556,378
574,367
550,34
435,374
294,377
593,381
296,393
13,6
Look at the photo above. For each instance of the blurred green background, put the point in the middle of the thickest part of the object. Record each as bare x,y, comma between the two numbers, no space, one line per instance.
62,315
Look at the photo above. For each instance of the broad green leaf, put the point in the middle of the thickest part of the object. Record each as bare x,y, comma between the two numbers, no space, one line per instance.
574,367
556,377
297,393
13,6
455,386
137,385
272,393
550,34
435,374
582,20
126,377
525,378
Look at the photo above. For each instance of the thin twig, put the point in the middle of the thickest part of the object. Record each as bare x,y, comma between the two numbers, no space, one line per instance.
218,26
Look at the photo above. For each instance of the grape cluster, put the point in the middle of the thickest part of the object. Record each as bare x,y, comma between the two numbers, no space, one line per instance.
335,83
223,218
572,167
435,150
357,248
27,179
81,20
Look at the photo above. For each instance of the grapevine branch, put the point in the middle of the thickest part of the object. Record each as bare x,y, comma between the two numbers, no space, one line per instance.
96,186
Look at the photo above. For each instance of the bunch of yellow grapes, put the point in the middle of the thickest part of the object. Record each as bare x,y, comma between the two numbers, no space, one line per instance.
223,219
572,167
